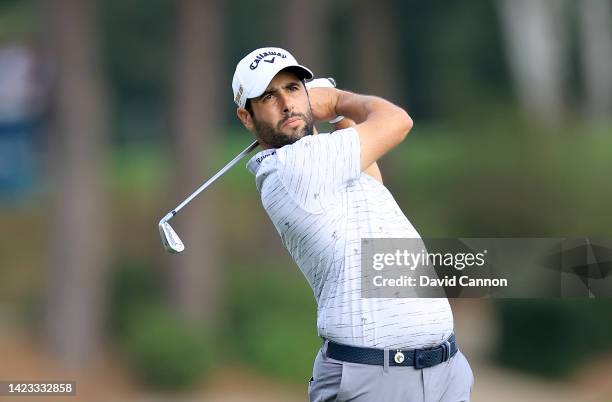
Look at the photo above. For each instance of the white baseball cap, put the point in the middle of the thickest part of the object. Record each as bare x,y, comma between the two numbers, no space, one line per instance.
255,71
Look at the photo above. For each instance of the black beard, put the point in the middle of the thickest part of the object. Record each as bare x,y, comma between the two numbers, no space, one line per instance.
275,138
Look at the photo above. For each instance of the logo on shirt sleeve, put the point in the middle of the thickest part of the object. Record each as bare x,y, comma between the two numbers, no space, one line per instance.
262,157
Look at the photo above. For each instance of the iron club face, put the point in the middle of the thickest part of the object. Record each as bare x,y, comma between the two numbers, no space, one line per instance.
172,243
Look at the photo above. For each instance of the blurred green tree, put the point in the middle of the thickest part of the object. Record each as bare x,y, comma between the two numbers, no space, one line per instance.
596,55
194,275
375,49
78,237
536,38
305,33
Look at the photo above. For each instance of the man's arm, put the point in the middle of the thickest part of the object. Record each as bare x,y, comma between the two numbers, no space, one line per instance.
373,169
381,124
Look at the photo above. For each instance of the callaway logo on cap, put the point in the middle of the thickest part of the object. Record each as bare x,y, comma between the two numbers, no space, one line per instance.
255,71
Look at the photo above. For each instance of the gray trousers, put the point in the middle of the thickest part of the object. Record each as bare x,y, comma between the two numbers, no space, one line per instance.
334,380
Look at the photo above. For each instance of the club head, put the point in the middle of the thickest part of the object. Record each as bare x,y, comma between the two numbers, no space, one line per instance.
172,243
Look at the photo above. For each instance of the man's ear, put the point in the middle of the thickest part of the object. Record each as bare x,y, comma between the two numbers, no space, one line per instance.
246,118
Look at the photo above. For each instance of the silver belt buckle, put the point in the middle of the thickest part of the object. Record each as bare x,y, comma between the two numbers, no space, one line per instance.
399,357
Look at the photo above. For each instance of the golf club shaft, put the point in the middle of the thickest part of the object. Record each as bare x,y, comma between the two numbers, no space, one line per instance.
208,182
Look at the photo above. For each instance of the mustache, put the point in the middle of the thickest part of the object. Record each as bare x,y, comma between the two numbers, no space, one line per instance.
300,115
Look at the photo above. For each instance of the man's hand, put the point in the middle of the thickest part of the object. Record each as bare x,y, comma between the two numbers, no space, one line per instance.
324,83
323,102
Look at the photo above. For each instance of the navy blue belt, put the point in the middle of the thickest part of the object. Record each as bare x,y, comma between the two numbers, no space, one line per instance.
419,358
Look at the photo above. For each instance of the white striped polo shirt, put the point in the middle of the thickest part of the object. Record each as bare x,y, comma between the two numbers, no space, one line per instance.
322,205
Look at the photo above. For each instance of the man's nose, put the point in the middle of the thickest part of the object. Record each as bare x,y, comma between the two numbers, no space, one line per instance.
286,102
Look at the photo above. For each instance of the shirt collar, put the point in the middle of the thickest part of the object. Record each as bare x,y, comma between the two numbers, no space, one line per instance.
255,162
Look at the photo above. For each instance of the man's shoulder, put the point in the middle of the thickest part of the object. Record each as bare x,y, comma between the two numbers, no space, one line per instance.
254,164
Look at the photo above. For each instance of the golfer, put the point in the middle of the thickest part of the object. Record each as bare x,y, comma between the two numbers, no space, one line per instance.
324,193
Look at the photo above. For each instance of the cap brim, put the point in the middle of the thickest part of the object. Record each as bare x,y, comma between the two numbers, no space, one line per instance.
301,71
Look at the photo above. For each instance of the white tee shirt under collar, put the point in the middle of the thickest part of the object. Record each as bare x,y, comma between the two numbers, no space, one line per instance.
322,205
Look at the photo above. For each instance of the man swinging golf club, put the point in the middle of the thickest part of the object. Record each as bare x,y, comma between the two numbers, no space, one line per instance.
324,193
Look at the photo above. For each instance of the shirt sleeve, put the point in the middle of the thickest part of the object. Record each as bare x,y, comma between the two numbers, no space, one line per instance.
316,167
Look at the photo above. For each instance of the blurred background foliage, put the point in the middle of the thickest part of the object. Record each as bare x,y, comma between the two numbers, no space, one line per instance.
480,161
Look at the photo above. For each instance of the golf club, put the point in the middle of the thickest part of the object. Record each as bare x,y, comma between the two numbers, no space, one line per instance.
171,241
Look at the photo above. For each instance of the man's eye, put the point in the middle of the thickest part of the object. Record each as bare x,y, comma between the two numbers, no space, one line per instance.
293,88
266,97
